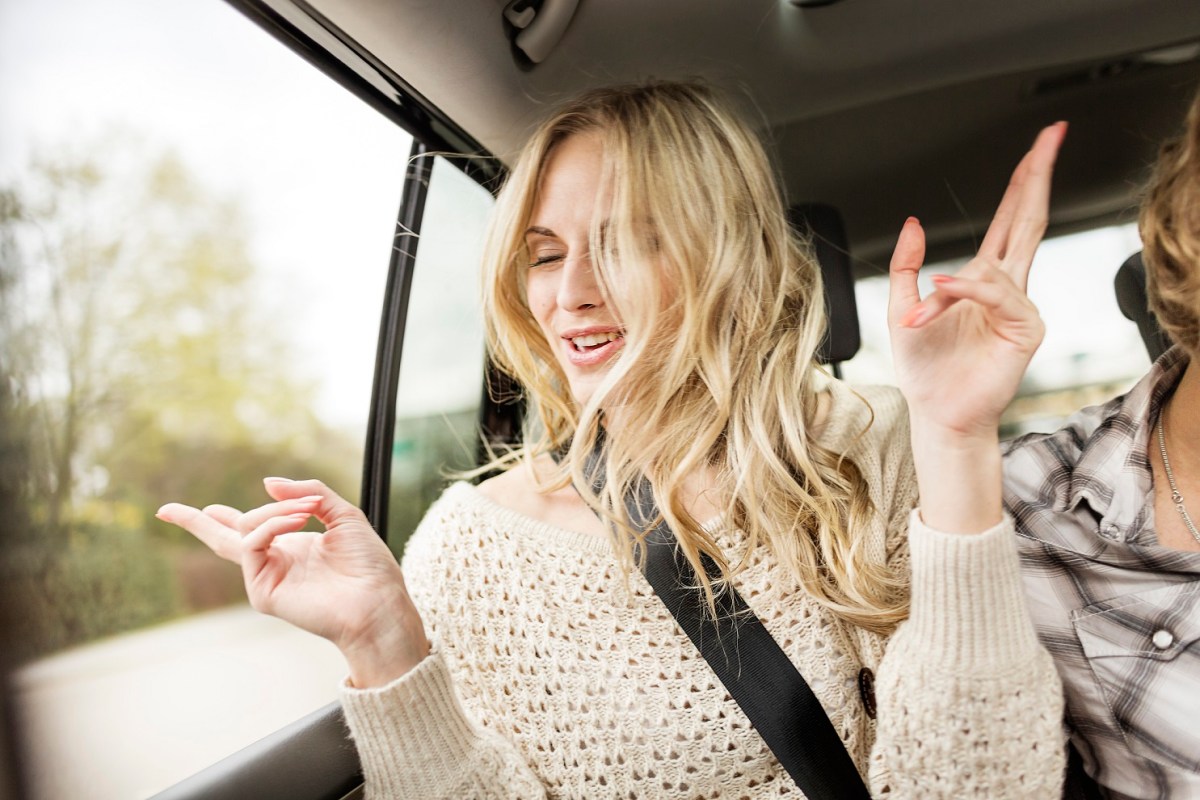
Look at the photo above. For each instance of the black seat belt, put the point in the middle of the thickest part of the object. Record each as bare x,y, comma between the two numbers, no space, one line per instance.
754,669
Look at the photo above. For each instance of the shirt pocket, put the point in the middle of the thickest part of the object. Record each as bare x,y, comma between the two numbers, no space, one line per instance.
1144,652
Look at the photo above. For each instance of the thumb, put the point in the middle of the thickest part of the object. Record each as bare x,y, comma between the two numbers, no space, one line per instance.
906,263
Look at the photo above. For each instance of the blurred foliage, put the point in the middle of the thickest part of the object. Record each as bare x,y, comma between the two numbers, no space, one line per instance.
140,365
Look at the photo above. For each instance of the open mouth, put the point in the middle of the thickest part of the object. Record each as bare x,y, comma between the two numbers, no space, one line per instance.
593,347
594,341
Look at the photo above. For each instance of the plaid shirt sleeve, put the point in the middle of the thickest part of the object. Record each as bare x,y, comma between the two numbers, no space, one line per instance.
1119,614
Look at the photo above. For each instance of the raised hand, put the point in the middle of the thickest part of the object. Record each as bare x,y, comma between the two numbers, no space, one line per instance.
961,362
960,353
343,584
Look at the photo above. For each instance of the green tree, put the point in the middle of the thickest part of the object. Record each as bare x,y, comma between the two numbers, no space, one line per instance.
145,366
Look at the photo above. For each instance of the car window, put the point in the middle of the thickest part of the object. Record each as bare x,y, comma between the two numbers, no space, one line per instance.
196,228
437,405
1090,354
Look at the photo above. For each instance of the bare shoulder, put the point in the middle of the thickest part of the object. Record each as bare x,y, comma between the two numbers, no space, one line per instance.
517,490
510,488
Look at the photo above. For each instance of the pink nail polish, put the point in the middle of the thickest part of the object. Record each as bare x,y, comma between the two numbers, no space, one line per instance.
913,317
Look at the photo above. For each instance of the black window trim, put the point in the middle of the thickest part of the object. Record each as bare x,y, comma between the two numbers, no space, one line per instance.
381,424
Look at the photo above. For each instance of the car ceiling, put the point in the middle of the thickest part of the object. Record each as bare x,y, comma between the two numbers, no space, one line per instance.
882,108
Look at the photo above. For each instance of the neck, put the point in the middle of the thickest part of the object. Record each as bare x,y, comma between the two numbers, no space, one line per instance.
1182,430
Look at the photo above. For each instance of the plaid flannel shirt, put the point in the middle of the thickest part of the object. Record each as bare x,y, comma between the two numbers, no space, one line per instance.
1119,613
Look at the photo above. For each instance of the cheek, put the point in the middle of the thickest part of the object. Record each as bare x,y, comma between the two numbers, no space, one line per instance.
539,296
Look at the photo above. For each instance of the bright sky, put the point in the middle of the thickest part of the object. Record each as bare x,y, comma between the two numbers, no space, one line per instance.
1071,282
318,171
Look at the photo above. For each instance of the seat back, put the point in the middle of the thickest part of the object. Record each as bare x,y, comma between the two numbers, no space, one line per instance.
822,225
1130,286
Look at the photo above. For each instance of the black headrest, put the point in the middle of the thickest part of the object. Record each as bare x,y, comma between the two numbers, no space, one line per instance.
1130,285
823,225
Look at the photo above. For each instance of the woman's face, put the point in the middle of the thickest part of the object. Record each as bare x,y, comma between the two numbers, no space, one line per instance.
564,297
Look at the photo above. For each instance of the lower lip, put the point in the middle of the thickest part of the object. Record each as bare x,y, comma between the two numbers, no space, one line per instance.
594,355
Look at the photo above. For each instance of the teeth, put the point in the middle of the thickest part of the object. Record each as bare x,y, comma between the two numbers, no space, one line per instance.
593,339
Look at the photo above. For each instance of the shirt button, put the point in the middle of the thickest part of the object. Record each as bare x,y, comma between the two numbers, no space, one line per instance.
1163,639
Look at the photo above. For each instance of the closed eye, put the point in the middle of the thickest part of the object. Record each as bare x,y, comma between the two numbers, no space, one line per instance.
541,261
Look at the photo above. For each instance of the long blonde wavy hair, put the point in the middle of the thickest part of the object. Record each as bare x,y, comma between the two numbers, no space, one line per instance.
723,311
1170,226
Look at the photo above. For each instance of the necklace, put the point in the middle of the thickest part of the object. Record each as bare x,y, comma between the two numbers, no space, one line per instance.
1176,497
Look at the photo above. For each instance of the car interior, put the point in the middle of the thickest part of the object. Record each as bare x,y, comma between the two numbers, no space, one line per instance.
874,110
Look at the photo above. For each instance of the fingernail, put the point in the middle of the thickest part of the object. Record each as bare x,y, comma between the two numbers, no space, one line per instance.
913,318
942,278
912,221
312,498
278,480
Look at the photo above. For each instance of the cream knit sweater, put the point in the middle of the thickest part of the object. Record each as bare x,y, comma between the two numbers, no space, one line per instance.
548,678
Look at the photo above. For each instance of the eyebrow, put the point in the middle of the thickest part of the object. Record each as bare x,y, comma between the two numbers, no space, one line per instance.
537,230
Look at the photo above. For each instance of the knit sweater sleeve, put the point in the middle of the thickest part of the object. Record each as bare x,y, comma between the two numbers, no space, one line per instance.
415,740
969,703
414,737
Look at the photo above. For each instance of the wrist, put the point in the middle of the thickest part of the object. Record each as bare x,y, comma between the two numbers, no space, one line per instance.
386,648
958,476
965,438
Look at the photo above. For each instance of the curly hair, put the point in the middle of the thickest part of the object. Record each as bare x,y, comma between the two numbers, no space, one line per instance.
1170,227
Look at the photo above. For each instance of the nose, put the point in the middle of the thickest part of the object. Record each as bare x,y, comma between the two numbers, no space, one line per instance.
578,289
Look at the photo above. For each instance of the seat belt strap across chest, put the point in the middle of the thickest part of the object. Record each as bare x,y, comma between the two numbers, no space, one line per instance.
745,657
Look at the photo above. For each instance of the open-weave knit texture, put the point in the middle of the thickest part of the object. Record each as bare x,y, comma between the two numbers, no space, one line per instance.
554,676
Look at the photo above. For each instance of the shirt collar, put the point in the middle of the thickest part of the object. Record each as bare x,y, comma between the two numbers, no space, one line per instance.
1113,473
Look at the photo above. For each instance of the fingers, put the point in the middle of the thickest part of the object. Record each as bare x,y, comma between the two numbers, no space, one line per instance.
1033,209
928,309
225,515
1021,218
1001,298
258,541
906,263
221,539
330,509
994,240
252,519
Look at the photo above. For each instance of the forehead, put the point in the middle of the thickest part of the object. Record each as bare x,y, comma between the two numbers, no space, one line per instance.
571,186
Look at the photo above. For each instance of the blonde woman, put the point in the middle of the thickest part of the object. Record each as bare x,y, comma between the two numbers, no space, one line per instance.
641,280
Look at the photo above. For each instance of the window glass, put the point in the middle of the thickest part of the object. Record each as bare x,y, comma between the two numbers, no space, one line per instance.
441,371
1090,354
194,236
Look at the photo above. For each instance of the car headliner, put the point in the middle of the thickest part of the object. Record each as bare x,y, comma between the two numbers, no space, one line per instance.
882,108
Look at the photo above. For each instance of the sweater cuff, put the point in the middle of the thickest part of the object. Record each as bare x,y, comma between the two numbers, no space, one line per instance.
968,606
414,725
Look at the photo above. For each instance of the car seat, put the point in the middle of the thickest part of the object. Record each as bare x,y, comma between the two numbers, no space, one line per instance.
1130,286
822,225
